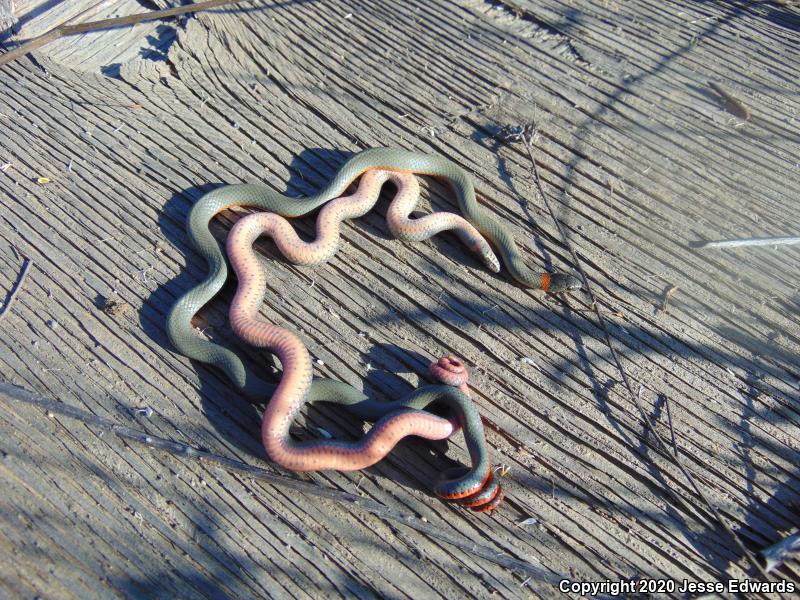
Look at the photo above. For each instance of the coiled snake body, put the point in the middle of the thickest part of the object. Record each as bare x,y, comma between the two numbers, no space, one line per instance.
476,488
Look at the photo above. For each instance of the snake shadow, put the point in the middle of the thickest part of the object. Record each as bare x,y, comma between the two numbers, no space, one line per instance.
237,418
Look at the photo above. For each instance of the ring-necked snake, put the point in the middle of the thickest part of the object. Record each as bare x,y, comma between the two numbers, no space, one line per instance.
479,478
290,395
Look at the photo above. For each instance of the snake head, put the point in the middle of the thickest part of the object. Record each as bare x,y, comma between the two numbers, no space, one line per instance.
563,282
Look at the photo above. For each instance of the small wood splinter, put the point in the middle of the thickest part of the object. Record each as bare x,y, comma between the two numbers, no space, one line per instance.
668,293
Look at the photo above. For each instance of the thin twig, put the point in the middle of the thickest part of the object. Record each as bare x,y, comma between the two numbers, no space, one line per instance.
90,12
72,29
353,501
17,287
671,428
528,139
776,241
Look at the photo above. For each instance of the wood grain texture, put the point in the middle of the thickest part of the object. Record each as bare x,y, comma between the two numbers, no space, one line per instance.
6,15
103,50
641,159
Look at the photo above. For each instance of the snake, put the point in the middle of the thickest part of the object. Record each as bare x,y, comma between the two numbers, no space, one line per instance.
465,486
179,319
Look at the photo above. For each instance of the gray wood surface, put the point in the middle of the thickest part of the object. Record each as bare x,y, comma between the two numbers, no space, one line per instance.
641,159
6,15
94,51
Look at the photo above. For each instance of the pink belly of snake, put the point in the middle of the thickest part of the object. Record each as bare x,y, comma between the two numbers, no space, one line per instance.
290,394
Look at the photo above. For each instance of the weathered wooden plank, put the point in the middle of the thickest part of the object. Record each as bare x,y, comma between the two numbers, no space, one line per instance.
6,15
641,159
102,50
